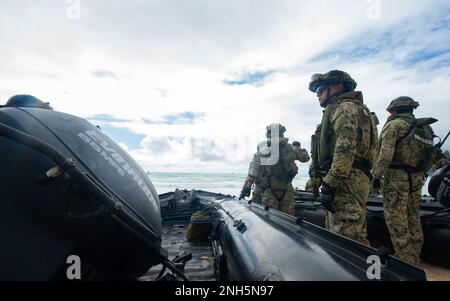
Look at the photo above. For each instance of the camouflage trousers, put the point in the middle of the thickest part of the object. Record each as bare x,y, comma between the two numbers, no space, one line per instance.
313,185
401,211
309,186
349,202
257,194
281,200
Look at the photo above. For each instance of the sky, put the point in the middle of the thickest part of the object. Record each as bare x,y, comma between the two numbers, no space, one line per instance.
190,85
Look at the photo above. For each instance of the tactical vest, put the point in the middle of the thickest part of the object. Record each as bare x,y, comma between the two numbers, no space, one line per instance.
280,175
414,150
315,140
367,137
255,168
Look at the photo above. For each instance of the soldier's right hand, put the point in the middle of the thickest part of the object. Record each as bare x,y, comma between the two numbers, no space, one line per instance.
438,155
245,192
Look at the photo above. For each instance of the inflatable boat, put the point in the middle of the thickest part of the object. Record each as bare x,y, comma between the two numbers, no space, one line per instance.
434,216
68,190
251,242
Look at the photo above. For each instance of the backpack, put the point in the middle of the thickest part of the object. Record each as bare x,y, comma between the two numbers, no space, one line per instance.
279,175
200,226
416,148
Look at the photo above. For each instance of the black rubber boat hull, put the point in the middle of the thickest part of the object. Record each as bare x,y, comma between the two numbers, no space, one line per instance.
436,230
252,244
41,225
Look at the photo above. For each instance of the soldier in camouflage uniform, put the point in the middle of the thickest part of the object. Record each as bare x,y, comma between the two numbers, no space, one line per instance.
441,161
401,181
313,183
310,186
253,179
375,189
346,153
278,169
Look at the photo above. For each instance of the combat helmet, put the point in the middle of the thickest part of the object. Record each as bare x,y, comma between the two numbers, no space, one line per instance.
23,100
331,78
274,126
402,102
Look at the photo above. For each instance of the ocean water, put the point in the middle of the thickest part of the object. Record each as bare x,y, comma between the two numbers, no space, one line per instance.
226,183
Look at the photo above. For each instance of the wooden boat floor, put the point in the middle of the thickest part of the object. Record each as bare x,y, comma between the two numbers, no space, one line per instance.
199,268
436,273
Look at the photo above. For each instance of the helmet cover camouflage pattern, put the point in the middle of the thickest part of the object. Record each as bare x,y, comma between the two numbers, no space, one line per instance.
402,102
274,126
332,77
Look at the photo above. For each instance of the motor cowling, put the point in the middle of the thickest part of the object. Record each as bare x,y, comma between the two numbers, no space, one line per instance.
42,223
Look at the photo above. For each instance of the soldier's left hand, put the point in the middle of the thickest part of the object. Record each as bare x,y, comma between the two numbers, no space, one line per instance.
327,197
438,155
376,183
245,192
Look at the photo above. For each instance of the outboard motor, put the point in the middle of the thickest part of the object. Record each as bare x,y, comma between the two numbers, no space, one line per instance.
68,190
439,186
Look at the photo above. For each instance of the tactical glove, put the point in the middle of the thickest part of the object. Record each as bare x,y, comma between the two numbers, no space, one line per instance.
438,155
245,192
376,183
327,197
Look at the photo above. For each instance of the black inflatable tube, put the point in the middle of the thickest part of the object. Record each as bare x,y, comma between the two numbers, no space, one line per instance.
270,245
69,166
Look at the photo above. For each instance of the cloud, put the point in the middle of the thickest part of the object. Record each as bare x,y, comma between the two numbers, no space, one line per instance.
106,118
123,146
183,118
157,145
162,92
413,43
130,139
104,74
254,78
158,75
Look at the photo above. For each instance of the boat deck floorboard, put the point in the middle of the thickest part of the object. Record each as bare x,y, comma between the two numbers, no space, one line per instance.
200,267
436,273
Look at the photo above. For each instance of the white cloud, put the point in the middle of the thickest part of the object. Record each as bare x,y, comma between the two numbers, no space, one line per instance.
123,146
147,59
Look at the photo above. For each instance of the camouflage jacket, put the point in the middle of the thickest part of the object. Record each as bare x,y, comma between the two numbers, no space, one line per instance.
254,171
393,130
348,134
314,153
301,154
